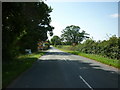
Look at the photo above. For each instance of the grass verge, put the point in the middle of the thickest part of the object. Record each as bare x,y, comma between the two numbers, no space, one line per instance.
108,61
14,68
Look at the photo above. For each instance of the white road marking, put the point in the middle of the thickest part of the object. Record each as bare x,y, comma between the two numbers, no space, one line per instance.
65,60
86,83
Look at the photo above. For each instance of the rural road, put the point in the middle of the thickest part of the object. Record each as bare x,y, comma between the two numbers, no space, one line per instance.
58,69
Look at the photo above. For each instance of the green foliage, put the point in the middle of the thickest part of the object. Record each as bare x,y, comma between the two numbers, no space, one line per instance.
12,69
107,48
71,34
100,58
46,45
59,46
23,24
56,40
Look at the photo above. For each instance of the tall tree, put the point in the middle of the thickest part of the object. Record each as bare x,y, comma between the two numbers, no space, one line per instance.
23,24
72,34
56,40
38,19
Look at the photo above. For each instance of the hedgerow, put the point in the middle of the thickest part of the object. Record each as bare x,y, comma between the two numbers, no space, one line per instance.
107,48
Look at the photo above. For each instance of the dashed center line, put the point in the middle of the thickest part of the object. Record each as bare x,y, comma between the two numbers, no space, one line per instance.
81,77
85,82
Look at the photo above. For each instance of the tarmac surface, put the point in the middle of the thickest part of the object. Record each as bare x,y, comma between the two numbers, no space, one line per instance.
58,69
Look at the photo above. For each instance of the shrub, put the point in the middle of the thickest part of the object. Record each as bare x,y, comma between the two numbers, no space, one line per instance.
107,48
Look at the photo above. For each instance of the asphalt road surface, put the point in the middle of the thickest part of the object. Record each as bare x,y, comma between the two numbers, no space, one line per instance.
58,69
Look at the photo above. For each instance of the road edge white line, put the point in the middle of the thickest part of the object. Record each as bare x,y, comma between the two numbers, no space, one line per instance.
86,82
65,60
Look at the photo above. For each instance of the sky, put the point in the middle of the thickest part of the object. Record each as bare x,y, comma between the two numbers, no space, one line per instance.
99,19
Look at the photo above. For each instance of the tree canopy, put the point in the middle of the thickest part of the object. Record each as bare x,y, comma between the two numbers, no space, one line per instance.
72,34
23,24
56,40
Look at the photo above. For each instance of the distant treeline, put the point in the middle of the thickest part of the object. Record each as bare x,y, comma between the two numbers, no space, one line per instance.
107,48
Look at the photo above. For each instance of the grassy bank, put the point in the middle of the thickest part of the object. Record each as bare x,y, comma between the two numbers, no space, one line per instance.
105,60
14,68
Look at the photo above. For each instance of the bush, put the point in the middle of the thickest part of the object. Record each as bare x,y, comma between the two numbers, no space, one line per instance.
107,48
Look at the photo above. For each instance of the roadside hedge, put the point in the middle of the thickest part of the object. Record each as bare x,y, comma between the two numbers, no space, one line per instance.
107,48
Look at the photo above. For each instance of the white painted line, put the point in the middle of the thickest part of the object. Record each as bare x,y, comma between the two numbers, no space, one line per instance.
65,60
86,83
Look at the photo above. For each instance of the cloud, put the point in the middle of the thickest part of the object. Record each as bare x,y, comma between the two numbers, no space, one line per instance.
115,15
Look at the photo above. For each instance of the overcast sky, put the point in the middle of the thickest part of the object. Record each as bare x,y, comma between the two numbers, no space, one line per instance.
98,19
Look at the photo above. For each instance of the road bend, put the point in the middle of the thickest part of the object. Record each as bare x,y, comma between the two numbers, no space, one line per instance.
58,69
